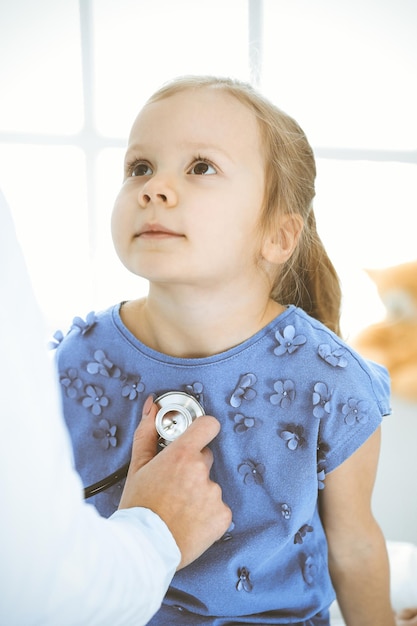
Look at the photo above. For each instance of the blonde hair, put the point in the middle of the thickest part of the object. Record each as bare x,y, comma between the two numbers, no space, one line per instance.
308,278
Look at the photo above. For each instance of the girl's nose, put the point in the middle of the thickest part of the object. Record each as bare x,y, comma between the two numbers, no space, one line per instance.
157,190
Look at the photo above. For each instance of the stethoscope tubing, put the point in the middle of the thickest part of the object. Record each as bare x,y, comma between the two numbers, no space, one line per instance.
105,483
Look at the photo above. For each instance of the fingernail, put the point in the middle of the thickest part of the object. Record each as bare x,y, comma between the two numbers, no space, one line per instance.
148,404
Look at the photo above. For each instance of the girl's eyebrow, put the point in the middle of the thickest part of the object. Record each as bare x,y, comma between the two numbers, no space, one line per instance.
193,146
201,146
134,149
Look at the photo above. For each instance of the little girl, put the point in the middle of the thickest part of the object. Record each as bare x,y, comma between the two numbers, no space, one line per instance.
242,313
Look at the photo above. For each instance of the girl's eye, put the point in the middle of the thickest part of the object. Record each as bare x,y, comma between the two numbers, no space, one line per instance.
140,169
202,168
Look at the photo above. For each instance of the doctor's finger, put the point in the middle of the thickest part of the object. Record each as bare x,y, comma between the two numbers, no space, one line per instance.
145,439
203,430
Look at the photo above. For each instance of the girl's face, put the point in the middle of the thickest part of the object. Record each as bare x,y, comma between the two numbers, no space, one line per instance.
189,206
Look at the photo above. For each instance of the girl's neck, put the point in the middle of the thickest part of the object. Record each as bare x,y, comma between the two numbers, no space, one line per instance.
197,325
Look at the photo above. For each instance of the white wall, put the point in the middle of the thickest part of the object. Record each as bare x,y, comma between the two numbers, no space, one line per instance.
395,493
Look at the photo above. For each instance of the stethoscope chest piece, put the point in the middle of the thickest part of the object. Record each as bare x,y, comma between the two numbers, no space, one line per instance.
177,411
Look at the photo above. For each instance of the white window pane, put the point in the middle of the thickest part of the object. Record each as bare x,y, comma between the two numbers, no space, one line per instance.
45,187
40,66
365,213
345,70
113,282
140,44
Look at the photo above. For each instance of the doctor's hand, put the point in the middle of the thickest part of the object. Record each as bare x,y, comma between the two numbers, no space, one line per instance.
175,483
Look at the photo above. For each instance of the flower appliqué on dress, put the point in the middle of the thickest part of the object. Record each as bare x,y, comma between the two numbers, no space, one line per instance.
321,400
293,436
322,450
252,472
321,475
285,393
244,583
228,535
196,390
309,570
57,337
103,366
336,358
106,433
286,511
84,326
355,411
244,390
300,534
243,423
95,399
288,342
70,381
132,386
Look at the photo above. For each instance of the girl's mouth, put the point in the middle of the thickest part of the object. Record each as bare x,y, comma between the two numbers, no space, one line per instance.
157,231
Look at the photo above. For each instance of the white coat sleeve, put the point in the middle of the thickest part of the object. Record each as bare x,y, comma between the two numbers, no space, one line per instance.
60,562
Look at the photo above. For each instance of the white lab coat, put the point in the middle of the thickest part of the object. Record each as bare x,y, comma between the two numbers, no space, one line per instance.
60,562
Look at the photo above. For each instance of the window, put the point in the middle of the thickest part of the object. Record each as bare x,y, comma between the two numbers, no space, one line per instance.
75,73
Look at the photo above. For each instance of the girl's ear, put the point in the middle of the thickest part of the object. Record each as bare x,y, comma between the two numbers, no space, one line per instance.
279,245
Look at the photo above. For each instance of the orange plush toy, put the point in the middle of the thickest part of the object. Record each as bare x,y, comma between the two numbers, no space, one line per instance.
393,341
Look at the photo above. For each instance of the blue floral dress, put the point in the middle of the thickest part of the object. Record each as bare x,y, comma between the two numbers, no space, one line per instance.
294,402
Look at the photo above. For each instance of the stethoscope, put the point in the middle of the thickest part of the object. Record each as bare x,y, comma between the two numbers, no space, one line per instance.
177,411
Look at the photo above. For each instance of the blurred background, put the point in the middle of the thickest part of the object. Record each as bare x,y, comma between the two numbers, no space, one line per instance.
74,74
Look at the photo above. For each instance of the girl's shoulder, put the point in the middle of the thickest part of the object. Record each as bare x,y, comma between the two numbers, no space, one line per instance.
337,353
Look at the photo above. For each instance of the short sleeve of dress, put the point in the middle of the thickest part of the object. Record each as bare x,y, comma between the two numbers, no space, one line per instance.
358,405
